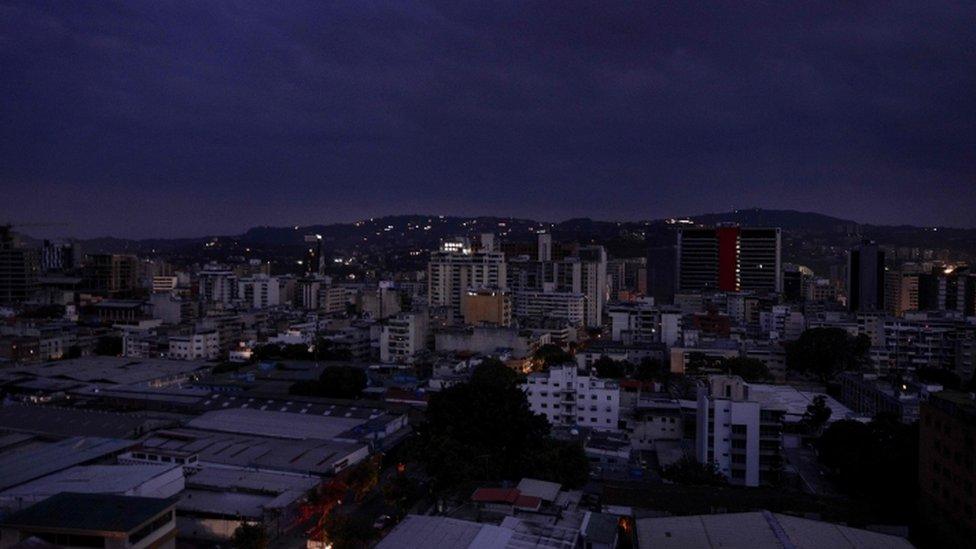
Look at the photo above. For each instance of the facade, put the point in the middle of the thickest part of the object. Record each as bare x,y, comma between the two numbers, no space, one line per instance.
486,306
404,337
259,291
217,285
93,520
729,258
736,433
947,454
866,278
456,269
539,304
567,398
19,268
198,346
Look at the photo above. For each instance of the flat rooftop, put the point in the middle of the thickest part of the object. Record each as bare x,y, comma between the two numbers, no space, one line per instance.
109,370
66,422
311,456
24,464
275,424
89,513
758,530
89,479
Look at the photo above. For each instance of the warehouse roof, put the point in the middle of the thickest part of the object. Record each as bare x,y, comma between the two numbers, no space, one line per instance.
23,465
89,512
759,530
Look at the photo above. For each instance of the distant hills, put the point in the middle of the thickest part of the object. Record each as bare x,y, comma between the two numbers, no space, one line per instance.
425,231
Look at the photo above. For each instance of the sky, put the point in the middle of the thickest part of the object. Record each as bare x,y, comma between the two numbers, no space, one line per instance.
163,119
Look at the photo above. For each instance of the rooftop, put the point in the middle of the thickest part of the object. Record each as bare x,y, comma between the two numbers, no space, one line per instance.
444,533
759,530
57,421
89,512
101,479
21,465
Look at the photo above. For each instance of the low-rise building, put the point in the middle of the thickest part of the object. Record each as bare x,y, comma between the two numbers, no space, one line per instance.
567,398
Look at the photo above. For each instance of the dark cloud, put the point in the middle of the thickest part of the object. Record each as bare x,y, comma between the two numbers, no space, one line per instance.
175,118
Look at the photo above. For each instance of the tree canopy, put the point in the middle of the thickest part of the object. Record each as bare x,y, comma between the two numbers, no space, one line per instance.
817,415
249,536
689,471
749,369
825,352
484,430
876,460
552,355
607,367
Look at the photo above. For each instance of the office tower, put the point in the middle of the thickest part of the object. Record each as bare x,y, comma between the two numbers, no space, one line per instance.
217,284
544,252
314,259
796,278
627,278
593,282
947,289
457,268
660,268
111,274
866,278
729,258
58,257
901,292
19,268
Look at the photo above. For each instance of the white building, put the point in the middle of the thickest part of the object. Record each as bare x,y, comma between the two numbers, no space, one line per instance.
736,432
217,284
259,291
569,399
538,304
198,346
642,322
404,336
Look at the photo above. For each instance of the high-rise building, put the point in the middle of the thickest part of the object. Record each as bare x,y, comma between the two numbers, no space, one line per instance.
217,284
946,473
404,337
314,259
457,268
866,278
112,273
729,258
19,268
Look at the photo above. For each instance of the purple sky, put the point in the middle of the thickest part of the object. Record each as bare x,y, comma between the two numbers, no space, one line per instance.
163,118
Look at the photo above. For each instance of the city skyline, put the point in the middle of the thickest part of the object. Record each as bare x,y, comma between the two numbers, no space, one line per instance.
122,120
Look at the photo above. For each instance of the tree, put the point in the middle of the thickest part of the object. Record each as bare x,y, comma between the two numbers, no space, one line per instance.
481,430
817,415
651,369
749,369
109,346
552,355
249,536
689,471
401,491
564,462
363,477
824,352
946,378
877,461
347,531
607,367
